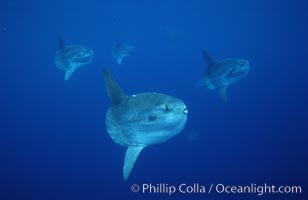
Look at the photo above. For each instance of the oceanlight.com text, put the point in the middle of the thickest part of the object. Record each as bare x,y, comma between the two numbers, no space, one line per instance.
198,188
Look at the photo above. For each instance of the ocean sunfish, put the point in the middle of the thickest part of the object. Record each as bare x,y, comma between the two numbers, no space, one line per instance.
69,58
141,120
219,75
120,51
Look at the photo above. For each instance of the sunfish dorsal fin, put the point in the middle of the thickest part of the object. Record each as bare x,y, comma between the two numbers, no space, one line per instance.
131,156
60,42
208,59
223,93
115,93
117,43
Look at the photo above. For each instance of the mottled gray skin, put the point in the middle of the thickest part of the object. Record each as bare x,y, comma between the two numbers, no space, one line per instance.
141,120
220,75
145,119
120,51
73,57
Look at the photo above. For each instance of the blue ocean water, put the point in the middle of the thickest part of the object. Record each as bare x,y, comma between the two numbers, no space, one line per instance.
54,143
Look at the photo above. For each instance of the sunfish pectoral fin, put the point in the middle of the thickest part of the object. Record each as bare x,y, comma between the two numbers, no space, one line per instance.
68,74
131,156
205,82
223,93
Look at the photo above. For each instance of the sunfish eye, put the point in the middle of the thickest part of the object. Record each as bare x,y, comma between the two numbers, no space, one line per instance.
152,118
232,71
167,108
78,55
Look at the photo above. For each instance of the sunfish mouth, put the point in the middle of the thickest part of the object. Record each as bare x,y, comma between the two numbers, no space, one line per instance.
243,72
185,111
245,68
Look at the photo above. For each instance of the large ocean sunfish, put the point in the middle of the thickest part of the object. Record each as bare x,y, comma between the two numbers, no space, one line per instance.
141,120
121,50
69,58
219,75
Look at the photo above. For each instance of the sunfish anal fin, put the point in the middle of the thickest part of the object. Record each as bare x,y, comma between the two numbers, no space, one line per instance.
119,60
68,74
223,93
131,156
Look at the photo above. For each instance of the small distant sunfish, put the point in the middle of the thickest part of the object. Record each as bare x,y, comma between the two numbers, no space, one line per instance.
221,74
120,51
69,58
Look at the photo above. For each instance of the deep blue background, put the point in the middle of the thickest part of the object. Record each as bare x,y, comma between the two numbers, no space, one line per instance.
54,143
